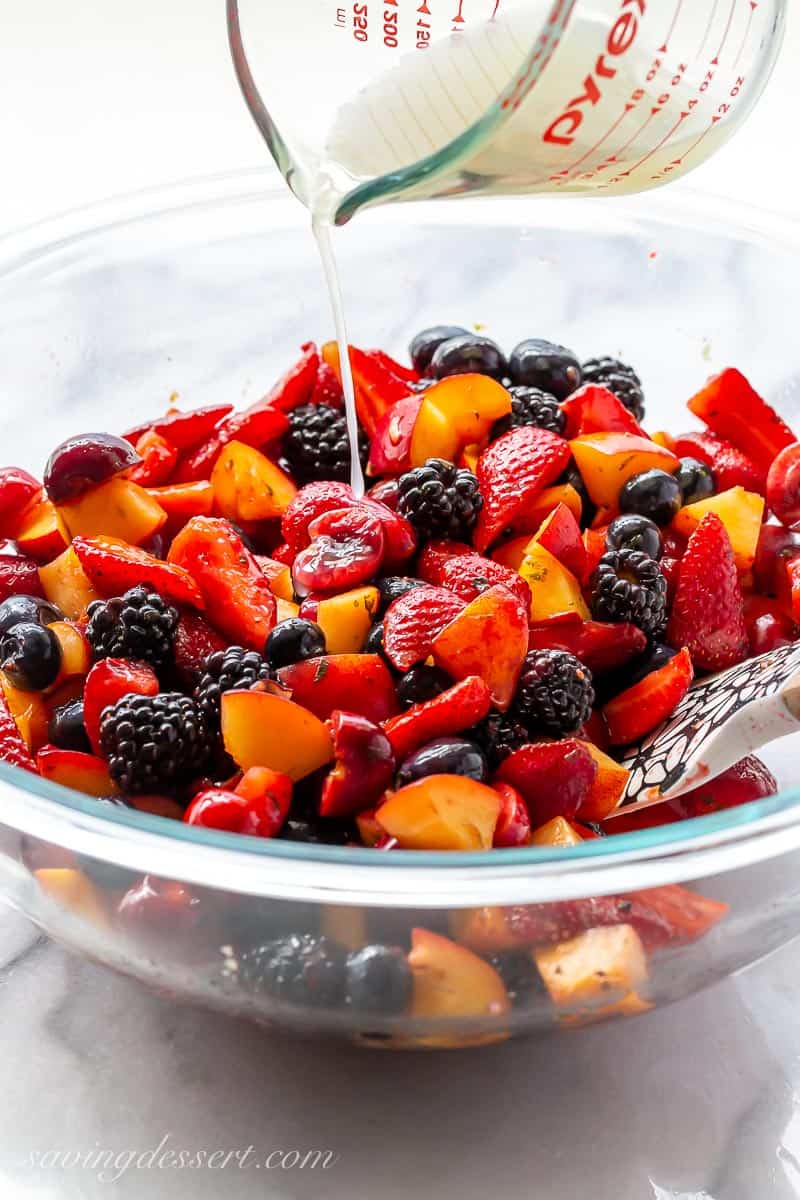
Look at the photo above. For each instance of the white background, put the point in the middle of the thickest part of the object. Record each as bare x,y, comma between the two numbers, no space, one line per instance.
99,97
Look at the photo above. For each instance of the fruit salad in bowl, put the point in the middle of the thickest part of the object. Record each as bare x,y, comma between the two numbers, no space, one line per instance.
244,702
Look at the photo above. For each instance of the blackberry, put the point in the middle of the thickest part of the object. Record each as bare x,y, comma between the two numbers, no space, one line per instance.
222,671
618,378
521,977
316,445
498,735
440,500
629,586
555,694
154,743
531,406
301,969
137,625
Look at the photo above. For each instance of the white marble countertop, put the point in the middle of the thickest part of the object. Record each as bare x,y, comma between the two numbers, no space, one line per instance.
698,1102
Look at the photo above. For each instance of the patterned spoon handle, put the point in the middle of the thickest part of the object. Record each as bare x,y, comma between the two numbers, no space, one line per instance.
722,719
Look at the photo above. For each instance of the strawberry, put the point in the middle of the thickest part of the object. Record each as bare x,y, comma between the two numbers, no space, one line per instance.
793,576
295,387
113,566
107,682
17,488
708,611
254,427
511,474
554,778
13,749
327,388
257,807
595,542
408,374
432,560
599,645
183,430
414,621
732,409
731,467
194,641
647,704
470,574
451,712
311,502
232,584
594,409
323,684
18,577
376,385
158,460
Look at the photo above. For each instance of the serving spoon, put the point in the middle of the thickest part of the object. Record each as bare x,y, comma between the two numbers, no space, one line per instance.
720,720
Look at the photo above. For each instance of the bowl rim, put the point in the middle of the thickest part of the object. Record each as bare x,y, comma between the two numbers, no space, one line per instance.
674,853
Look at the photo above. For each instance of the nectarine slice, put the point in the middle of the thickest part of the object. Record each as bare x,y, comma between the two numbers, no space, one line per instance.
346,619
76,653
66,584
117,509
73,769
29,712
263,730
248,487
451,981
457,412
608,787
441,812
74,891
554,589
594,968
490,639
607,461
741,513
42,535
556,832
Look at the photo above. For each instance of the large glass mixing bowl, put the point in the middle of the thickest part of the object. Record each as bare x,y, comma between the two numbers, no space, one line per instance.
207,290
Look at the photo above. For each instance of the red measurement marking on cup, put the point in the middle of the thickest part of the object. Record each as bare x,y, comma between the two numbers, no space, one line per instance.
750,16
458,19
665,47
495,10
656,149
715,59
709,27
561,176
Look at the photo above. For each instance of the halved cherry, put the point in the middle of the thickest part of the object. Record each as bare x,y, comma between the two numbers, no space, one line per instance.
783,485
347,549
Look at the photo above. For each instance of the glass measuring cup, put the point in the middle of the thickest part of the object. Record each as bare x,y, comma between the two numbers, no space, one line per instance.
363,101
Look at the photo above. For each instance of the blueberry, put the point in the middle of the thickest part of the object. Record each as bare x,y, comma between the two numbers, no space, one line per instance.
469,352
653,494
393,587
378,980
444,756
652,660
30,655
421,684
425,344
540,364
292,641
573,477
67,729
374,644
318,832
31,609
695,479
632,532
521,977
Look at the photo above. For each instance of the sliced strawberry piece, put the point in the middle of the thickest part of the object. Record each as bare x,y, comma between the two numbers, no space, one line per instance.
408,374
595,542
183,430
376,387
647,704
294,388
107,682
731,467
13,749
708,610
254,427
414,621
362,681
432,560
511,474
455,710
158,460
390,449
311,502
257,808
554,778
194,641
600,646
793,576
594,409
488,638
686,915
734,410
327,388
17,489
113,566
19,577
233,585
470,574
513,826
